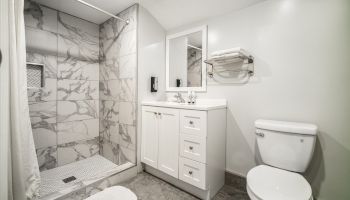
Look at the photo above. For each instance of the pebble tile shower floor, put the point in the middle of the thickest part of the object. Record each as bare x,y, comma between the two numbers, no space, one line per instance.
85,172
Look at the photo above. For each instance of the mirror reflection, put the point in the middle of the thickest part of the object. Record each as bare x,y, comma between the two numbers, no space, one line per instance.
185,60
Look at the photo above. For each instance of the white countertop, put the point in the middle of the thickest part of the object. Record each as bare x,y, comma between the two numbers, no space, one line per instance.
201,104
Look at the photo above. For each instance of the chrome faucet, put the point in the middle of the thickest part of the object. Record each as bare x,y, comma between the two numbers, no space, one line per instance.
179,98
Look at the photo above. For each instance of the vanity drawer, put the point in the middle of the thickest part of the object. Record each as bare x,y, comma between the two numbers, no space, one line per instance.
193,147
192,172
193,122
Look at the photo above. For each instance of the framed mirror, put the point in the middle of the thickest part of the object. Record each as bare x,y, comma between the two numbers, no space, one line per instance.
185,55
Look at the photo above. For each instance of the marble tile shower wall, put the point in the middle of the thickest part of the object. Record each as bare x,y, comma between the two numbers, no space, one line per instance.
88,103
118,84
65,112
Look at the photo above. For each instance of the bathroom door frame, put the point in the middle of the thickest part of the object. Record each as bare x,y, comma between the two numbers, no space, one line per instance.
4,99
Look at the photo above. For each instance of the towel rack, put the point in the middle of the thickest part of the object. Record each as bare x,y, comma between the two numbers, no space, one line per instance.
229,61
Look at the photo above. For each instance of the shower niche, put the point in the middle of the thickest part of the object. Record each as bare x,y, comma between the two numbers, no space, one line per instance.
35,75
82,97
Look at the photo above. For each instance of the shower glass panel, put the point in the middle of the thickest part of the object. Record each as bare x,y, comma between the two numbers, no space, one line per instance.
84,117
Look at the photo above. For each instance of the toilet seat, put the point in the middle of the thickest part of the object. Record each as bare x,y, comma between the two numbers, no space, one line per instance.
115,193
269,183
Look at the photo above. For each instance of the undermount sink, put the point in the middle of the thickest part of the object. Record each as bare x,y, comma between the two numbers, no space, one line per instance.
176,103
201,104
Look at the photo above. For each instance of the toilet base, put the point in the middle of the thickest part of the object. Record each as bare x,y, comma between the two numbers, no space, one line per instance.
253,197
115,193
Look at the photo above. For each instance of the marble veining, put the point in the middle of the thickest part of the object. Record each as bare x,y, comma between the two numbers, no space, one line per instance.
77,90
40,17
77,150
72,68
77,38
126,155
116,153
47,157
44,134
42,112
127,66
40,41
127,89
77,110
118,68
128,136
77,130
49,61
110,90
127,113
109,113
110,150
111,133
90,81
46,93
109,38
109,70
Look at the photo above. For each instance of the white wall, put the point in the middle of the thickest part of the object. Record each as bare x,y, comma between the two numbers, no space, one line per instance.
151,62
302,63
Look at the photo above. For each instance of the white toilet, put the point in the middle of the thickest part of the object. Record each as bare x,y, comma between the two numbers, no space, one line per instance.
286,148
114,193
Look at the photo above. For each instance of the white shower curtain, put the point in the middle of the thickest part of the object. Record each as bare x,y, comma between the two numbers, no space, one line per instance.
24,177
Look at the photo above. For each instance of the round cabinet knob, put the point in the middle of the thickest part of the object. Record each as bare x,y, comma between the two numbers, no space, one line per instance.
191,147
191,122
190,172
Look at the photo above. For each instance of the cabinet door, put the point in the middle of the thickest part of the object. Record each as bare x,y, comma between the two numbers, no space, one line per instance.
168,154
149,143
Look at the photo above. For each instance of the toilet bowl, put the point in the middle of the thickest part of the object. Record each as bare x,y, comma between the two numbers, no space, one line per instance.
270,183
115,193
286,148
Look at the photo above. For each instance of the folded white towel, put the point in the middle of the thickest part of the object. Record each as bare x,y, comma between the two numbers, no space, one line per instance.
225,56
229,51
226,51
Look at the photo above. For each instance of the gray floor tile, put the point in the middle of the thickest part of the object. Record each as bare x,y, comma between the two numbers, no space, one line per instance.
148,187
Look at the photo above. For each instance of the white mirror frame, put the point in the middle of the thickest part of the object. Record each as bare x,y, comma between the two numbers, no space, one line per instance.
203,88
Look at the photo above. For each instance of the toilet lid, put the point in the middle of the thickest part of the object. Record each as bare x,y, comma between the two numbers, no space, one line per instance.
275,184
115,193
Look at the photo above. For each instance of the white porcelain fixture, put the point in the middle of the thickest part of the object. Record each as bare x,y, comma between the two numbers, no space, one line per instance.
115,193
286,148
185,144
201,104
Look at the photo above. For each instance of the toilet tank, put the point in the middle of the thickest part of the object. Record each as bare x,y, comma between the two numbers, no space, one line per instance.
286,145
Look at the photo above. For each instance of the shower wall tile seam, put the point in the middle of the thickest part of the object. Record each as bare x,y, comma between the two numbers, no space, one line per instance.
57,41
76,141
60,79
55,33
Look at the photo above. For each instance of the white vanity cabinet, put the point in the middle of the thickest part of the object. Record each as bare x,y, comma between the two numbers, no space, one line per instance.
160,139
185,145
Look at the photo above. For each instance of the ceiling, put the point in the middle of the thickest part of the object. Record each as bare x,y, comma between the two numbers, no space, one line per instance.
169,13
174,13
77,9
